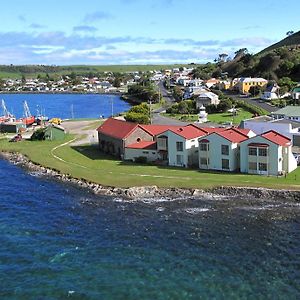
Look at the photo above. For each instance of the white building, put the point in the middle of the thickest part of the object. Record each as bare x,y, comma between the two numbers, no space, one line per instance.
288,112
268,154
220,150
285,127
207,98
180,145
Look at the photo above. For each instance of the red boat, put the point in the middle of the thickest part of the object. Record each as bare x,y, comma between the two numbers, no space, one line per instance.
28,119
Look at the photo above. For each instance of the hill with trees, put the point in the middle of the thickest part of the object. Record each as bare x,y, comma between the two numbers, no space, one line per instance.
277,61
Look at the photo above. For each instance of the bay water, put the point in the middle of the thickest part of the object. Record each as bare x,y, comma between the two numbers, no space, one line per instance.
66,106
61,242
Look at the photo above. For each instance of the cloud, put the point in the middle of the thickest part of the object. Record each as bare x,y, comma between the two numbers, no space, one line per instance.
97,16
85,28
22,18
57,47
37,26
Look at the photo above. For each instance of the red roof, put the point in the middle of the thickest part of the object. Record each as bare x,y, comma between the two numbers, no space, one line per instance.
117,128
158,129
276,138
189,131
214,129
233,135
242,130
149,145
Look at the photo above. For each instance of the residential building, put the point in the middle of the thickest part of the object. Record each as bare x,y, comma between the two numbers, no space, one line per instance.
207,98
286,127
244,84
114,135
179,146
220,150
269,153
288,112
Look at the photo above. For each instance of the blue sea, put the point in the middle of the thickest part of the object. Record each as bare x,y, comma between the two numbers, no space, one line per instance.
61,242
66,106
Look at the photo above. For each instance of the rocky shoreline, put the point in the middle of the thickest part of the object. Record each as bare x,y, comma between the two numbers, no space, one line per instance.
153,191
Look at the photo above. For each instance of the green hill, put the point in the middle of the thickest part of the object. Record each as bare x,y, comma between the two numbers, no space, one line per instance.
291,40
279,60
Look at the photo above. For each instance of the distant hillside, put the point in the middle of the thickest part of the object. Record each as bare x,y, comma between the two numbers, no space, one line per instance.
279,60
292,40
32,71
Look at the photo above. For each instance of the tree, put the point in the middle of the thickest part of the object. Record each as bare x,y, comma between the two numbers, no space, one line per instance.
139,114
255,90
241,52
177,93
222,57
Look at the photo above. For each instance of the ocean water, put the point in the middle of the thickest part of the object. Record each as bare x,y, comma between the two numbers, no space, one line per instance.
61,242
66,106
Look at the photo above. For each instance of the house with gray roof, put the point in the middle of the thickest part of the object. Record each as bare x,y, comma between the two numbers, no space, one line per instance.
288,112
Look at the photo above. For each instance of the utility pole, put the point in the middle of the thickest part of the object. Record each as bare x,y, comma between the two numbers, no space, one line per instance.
150,116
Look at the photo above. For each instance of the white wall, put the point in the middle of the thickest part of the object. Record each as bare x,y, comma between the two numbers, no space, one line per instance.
274,158
131,154
215,153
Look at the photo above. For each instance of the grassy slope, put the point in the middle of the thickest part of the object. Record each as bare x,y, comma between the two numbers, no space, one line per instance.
87,162
84,69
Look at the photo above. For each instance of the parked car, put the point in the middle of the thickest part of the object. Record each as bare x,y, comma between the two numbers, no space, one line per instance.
16,138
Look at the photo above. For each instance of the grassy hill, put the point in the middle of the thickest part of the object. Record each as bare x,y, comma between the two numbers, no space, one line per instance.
32,71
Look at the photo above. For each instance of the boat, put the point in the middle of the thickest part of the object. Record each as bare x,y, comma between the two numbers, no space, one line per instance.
40,117
7,116
28,119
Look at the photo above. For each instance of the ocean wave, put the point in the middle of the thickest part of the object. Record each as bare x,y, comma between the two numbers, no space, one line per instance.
197,210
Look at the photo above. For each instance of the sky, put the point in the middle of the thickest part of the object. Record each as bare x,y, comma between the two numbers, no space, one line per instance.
98,32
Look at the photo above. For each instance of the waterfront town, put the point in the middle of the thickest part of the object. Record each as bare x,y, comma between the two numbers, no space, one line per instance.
263,144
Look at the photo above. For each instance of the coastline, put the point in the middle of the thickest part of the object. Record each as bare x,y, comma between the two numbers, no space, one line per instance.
137,192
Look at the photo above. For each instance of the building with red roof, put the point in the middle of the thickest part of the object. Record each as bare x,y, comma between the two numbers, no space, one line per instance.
114,135
269,153
220,150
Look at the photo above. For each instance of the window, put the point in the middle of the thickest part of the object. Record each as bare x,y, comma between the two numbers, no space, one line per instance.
225,164
262,152
225,149
179,159
145,152
262,167
252,166
204,147
179,146
162,143
204,161
253,151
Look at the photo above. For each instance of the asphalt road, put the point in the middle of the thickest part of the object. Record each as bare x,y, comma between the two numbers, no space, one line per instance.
260,103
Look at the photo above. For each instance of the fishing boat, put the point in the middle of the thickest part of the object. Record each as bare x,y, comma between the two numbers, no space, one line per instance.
40,117
6,115
28,119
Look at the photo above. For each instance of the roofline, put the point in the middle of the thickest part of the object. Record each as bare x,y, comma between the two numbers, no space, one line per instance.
277,134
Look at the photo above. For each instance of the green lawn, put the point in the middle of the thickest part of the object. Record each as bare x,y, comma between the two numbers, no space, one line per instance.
228,117
87,162
219,118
